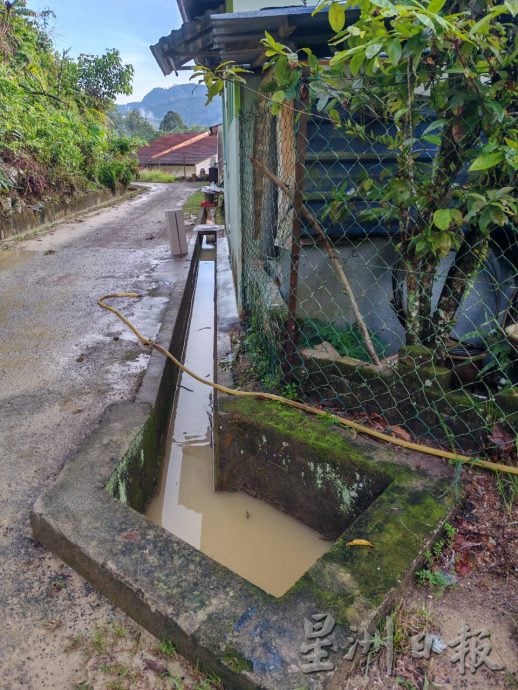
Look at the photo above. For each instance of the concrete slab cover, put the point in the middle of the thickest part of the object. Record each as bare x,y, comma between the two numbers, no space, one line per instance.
247,637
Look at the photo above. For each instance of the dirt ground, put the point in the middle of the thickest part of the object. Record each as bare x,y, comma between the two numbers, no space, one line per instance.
481,559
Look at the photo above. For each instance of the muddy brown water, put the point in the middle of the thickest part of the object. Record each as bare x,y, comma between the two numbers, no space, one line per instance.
250,537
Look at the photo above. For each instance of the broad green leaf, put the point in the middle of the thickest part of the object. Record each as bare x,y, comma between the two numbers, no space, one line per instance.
335,116
436,5
496,108
444,244
456,215
384,4
427,21
279,96
482,26
337,17
344,56
421,246
442,218
486,161
281,70
372,49
434,126
394,51
356,63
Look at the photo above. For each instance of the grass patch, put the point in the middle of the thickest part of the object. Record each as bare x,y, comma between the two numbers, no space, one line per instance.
150,175
192,205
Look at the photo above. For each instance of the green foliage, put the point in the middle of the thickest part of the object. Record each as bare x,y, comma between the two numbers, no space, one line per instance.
152,175
103,77
133,124
172,122
55,137
192,205
432,578
450,531
167,648
263,359
215,78
348,342
507,487
430,574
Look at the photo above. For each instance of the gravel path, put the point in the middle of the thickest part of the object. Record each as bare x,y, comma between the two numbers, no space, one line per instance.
62,362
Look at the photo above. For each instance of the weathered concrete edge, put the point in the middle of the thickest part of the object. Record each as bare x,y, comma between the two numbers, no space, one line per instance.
123,554
227,317
78,520
32,222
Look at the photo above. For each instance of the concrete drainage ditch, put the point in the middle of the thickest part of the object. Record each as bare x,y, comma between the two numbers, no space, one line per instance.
92,517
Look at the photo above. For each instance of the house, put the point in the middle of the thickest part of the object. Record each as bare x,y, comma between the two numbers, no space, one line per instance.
182,155
259,218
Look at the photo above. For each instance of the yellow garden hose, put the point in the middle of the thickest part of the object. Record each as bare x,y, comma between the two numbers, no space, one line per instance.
476,462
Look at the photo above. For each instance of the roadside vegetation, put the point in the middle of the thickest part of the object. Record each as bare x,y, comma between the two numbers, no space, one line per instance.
150,175
192,205
121,656
55,135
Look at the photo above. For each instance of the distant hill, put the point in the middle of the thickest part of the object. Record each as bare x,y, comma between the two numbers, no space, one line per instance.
186,99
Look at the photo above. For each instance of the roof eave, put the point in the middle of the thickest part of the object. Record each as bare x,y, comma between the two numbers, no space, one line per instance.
213,38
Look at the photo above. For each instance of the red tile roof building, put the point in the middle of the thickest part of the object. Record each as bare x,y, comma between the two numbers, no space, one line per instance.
181,154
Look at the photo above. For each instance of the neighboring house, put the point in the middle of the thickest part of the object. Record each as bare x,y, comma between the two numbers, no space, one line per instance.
258,217
182,155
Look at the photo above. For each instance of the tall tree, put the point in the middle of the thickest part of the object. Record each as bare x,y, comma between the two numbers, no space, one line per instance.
172,122
104,77
136,125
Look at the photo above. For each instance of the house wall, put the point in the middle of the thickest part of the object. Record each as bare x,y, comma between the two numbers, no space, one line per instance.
181,170
368,264
176,170
204,165
231,177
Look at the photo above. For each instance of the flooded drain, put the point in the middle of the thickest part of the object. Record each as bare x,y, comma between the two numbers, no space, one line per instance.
250,537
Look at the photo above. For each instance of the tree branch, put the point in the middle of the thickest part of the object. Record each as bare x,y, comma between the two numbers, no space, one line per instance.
330,252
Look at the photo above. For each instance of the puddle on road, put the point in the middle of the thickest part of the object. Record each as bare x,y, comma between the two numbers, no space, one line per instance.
12,257
248,536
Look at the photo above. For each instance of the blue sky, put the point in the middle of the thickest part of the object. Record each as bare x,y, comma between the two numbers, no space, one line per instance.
131,26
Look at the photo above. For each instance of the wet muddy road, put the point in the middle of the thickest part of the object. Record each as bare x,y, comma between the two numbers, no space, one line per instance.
62,361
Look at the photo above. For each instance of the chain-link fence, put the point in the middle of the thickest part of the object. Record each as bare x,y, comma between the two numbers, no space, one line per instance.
330,281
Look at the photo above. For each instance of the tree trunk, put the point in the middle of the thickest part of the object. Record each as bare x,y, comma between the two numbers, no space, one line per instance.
459,281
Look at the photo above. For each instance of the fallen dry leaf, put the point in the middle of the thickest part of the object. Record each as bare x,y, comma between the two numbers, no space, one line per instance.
400,433
360,542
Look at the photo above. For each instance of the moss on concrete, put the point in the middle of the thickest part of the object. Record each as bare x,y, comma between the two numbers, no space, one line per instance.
236,661
348,581
133,481
400,519
416,394
314,432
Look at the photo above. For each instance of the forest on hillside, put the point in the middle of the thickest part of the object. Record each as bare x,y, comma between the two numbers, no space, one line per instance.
55,134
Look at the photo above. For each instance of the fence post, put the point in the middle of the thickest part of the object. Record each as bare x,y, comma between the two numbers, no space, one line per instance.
176,232
298,201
